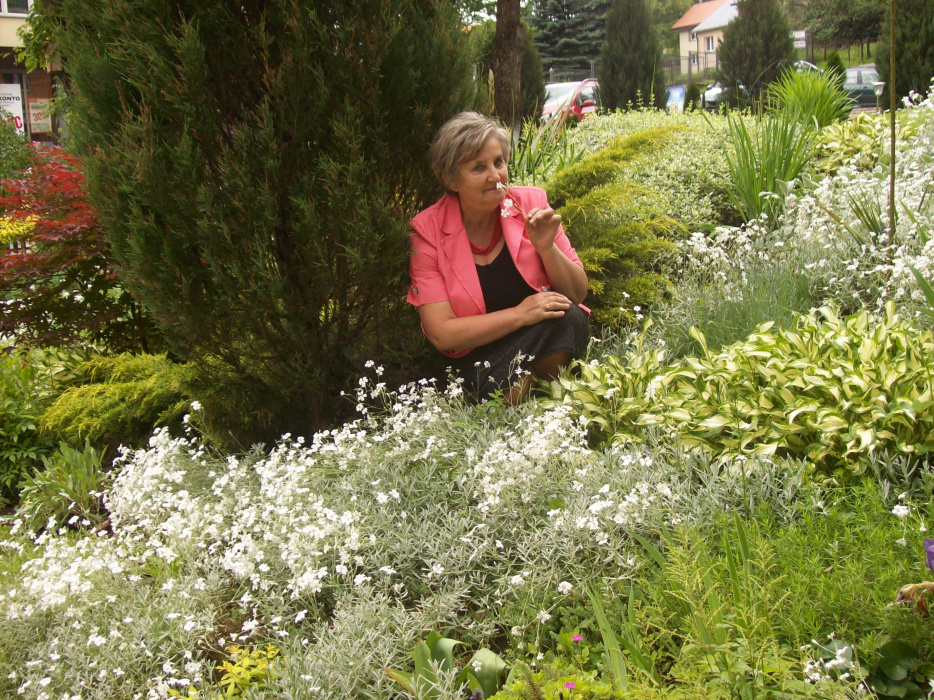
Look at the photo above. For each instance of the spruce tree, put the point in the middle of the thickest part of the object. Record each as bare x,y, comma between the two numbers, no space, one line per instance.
914,48
255,164
756,47
631,60
569,33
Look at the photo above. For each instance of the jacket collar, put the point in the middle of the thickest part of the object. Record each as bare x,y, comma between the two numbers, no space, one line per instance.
451,221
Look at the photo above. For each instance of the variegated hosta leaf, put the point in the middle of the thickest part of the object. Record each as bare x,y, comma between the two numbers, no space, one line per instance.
833,390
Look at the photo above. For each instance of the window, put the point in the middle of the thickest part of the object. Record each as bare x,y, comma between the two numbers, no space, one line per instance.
693,36
709,43
693,59
15,7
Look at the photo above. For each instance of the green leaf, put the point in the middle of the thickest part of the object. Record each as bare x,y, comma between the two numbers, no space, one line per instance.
895,670
442,652
402,678
614,657
491,671
650,549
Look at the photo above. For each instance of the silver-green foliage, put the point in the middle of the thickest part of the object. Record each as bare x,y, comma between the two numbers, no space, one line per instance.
834,390
429,515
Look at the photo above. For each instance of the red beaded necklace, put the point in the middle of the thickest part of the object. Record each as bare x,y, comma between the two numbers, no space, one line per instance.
494,239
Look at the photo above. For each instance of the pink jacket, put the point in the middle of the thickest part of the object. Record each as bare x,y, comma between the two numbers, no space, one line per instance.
442,267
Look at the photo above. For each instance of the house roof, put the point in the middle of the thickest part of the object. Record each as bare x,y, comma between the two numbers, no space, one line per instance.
721,17
697,14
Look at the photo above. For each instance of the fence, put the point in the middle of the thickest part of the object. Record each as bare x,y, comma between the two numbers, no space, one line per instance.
571,75
697,66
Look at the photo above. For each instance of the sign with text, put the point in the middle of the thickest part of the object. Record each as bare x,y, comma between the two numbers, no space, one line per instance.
11,102
40,120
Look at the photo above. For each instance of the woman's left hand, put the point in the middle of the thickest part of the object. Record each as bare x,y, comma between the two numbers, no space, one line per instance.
542,227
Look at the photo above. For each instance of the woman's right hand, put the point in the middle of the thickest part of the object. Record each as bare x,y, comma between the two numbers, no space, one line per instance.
541,306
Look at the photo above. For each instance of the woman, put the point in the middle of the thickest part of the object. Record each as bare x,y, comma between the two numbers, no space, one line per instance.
493,274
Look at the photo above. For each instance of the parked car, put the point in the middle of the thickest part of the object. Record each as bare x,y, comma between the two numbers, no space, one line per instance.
858,84
580,98
714,95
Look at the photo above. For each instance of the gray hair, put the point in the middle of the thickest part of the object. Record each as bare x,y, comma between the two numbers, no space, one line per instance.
459,139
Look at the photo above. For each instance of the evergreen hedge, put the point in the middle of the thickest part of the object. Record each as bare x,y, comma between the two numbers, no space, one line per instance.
255,165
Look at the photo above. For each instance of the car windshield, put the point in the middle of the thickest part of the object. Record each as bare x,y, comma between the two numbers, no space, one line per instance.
861,76
559,93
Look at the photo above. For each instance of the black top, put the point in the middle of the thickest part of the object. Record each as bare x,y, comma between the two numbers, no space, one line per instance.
502,284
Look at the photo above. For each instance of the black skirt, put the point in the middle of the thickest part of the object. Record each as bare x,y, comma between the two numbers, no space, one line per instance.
497,365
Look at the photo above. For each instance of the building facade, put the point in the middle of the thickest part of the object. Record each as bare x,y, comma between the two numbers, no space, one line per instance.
699,32
24,96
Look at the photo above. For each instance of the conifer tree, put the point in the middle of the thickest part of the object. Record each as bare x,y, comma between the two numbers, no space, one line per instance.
756,47
631,60
914,48
569,33
255,164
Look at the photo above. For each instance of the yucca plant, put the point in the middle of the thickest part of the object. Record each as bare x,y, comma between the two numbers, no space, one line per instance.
818,99
541,149
765,160
70,484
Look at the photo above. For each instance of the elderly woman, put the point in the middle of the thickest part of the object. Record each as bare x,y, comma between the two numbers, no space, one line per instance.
494,276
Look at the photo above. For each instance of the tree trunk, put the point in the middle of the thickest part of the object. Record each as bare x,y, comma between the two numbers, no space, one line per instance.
507,62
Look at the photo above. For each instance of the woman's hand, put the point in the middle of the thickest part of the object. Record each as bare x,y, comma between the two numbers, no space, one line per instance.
542,227
541,306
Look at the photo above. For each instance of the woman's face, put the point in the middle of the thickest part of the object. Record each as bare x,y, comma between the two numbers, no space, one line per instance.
477,178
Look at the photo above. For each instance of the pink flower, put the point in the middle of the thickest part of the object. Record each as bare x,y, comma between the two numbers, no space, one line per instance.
569,685
577,638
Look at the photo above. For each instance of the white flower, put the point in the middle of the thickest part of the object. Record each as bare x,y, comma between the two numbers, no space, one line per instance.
565,588
900,511
516,581
543,617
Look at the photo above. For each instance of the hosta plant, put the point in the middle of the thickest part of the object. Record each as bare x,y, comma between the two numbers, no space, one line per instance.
834,390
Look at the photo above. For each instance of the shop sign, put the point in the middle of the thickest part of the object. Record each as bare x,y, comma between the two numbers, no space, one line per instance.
40,119
11,102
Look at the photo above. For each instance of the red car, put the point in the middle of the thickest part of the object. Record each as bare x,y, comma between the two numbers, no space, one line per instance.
579,98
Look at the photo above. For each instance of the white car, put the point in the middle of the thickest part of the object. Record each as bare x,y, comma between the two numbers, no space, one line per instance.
713,95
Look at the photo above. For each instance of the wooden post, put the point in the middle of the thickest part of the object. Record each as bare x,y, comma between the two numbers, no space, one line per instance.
892,120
